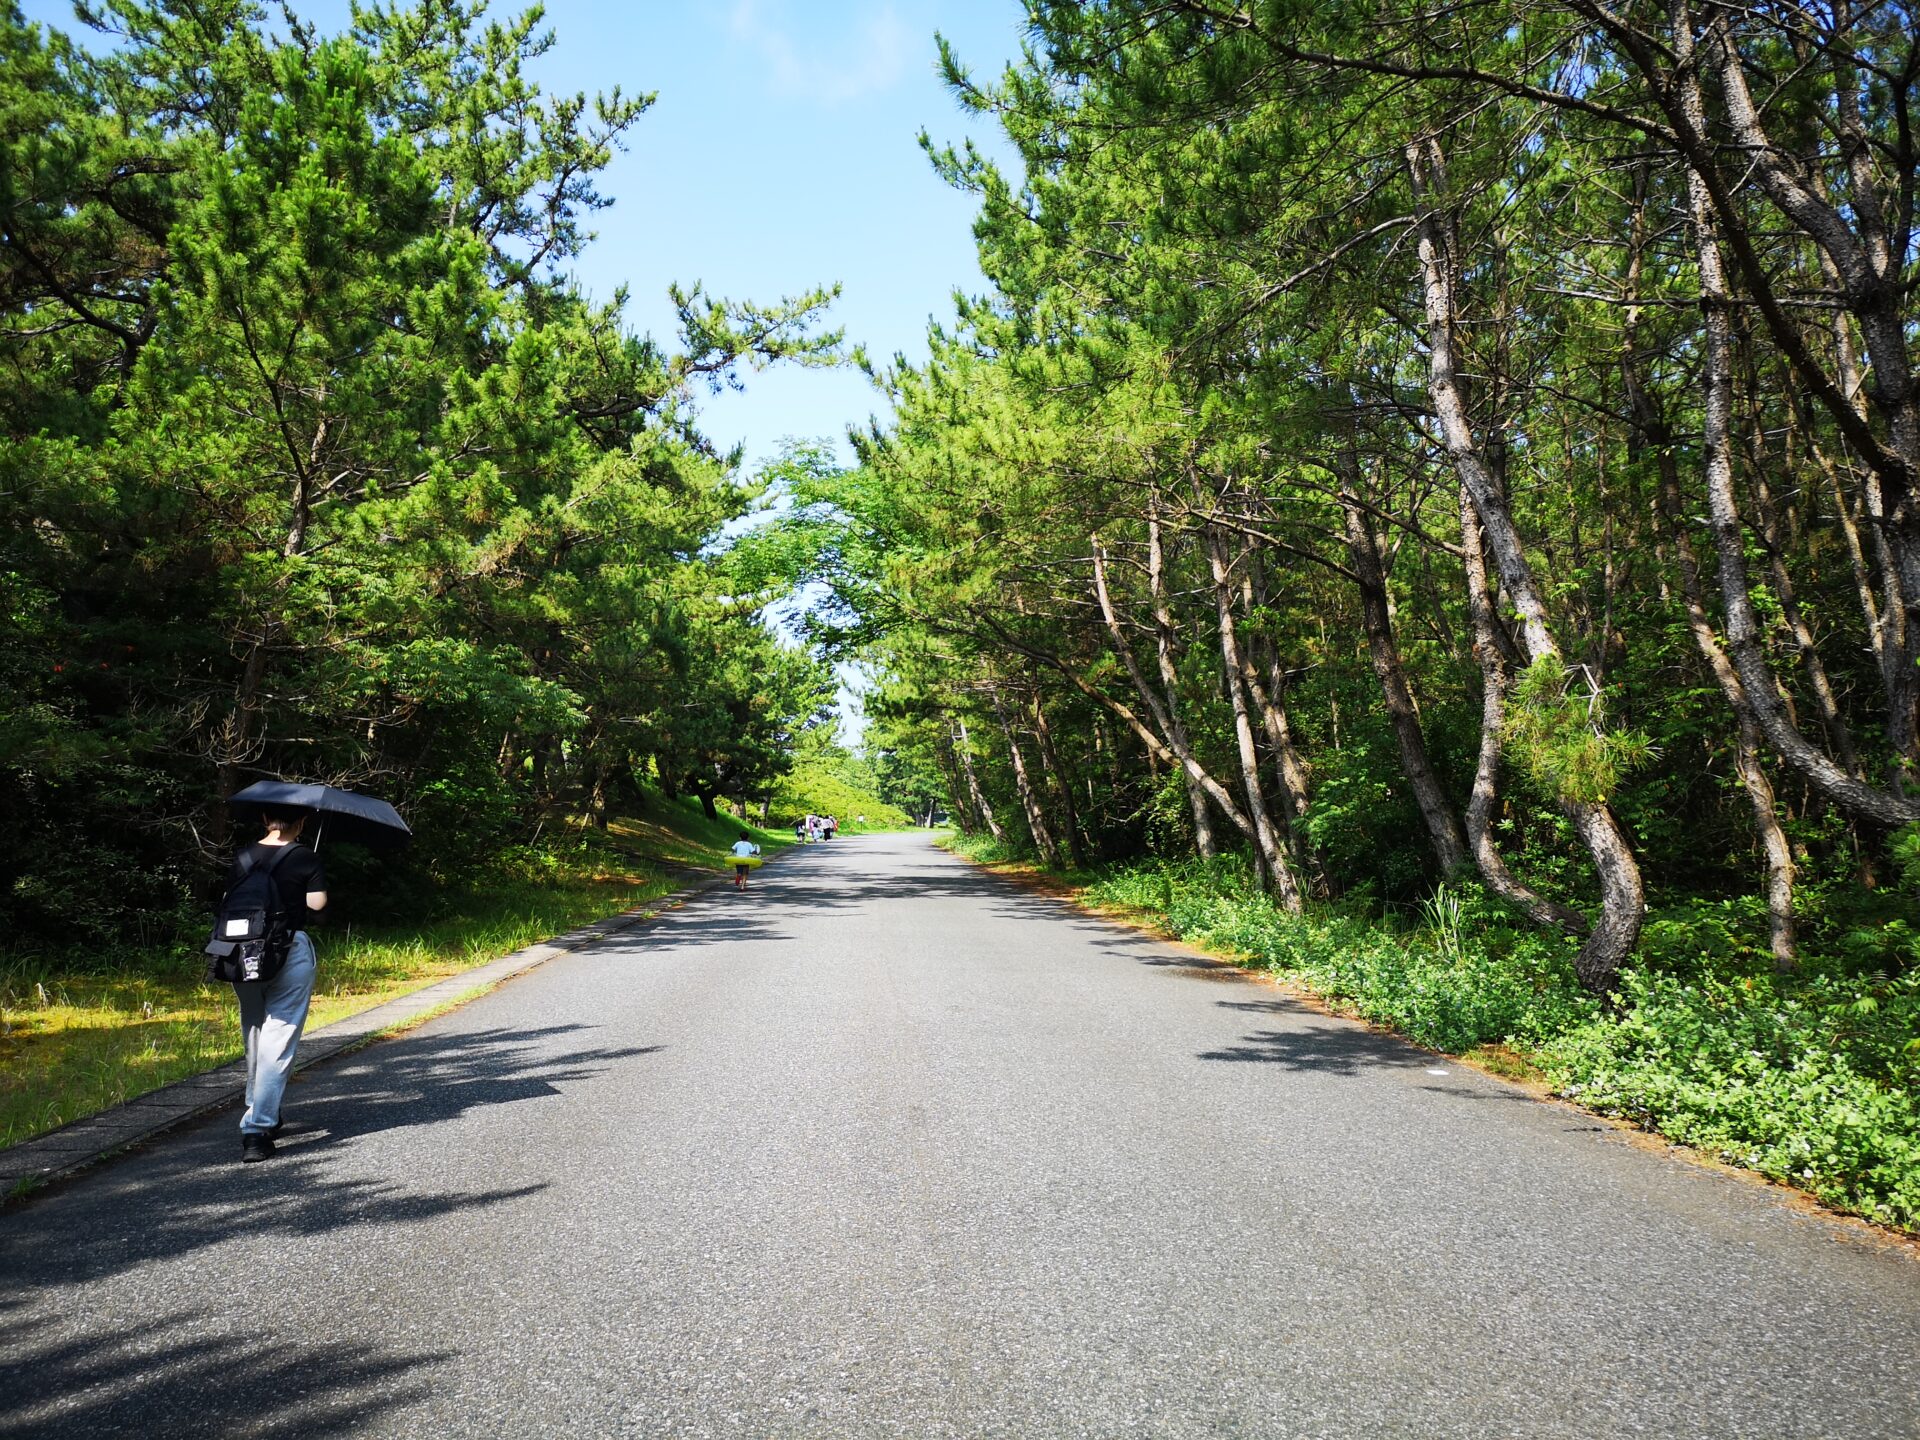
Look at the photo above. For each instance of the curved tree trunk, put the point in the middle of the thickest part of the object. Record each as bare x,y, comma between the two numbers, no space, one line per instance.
1486,776
1622,894
981,807
1745,637
1363,553
1273,856
1650,429
1174,748
1023,783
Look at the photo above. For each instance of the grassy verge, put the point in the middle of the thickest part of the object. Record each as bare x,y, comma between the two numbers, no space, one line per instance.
80,1034
1812,1080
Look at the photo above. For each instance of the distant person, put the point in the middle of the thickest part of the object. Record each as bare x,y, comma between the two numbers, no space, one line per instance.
828,826
273,1010
800,830
743,850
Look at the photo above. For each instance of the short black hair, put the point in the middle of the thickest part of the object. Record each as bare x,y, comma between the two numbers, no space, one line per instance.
745,836
284,816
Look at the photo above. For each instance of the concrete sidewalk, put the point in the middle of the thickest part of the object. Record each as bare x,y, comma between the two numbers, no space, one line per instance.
82,1143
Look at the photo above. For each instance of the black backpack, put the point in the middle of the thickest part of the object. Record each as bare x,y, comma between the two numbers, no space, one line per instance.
252,931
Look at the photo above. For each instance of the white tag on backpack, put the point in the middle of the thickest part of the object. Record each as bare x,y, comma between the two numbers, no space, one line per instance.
239,928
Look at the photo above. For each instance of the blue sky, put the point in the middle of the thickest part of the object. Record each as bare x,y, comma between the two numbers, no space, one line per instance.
780,154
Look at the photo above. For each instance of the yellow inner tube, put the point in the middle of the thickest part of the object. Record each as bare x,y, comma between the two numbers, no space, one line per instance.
752,862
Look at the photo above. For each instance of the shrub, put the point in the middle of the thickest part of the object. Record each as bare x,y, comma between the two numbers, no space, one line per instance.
1778,1082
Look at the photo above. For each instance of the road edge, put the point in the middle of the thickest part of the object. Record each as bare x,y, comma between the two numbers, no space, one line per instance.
32,1164
1806,1206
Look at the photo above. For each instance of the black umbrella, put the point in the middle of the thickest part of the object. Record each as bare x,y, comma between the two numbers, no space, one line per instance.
342,815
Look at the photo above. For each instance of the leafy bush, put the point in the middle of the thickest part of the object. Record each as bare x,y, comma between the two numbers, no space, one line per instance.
1783,1083
983,848
1450,996
1556,731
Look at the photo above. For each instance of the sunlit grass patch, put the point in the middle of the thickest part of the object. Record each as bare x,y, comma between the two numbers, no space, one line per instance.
677,832
73,1045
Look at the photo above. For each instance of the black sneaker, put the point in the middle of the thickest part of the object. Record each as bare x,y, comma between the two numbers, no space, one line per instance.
273,1131
255,1147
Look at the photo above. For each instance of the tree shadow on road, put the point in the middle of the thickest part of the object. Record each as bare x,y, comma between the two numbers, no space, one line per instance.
186,1191
1321,1049
186,1373
426,1078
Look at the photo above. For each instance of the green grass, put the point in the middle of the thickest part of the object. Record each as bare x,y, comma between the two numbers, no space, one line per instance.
678,832
80,1034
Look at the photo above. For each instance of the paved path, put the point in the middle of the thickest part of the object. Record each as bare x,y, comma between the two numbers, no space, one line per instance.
890,1147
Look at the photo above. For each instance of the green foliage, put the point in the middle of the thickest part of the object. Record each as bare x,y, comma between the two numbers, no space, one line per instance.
1808,1084
1363,826
1556,731
320,466
1479,981
985,850
1906,855
828,780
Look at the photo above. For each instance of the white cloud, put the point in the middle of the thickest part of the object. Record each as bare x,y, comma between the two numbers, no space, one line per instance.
828,63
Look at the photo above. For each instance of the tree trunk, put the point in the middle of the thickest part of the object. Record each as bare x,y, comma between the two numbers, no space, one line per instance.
1270,710
1486,776
1273,857
959,802
1174,748
1062,782
1023,784
1886,616
1622,895
598,797
962,749
1165,656
1363,552
1826,704
1745,643
1650,429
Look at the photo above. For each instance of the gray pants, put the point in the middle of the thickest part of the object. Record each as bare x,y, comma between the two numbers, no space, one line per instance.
272,1015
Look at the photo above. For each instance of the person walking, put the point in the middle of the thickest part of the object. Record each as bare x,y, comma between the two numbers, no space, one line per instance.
273,1012
745,855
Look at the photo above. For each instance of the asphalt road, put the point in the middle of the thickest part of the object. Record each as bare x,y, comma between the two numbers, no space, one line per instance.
888,1147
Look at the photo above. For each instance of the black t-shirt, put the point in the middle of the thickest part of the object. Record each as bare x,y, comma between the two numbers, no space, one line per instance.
296,874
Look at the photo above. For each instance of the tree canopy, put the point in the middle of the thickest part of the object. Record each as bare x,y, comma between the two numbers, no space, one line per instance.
1403,444
317,462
